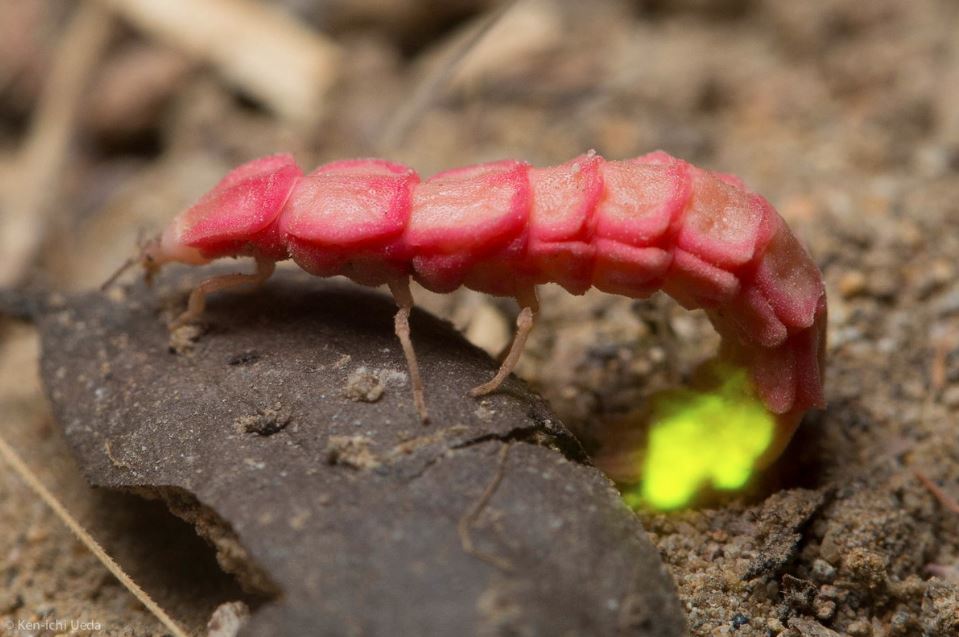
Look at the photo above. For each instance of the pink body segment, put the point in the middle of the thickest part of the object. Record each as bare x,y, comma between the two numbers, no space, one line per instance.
625,227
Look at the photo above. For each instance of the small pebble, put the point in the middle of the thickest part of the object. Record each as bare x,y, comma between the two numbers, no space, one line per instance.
902,623
883,284
859,628
948,304
265,422
363,386
9,602
825,609
852,283
936,275
950,397
823,572
228,619
351,451
739,620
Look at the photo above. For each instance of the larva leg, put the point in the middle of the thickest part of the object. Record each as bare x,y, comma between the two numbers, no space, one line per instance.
404,302
197,302
524,325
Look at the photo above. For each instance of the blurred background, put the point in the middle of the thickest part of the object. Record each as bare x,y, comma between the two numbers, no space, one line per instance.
115,114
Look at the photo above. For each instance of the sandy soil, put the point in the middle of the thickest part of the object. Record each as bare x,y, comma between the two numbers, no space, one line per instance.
841,112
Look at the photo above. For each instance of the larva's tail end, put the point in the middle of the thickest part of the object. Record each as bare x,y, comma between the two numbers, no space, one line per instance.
785,429
715,435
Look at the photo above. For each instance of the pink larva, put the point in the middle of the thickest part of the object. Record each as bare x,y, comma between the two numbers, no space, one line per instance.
626,227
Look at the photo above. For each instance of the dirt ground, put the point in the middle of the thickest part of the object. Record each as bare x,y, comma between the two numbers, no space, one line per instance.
841,112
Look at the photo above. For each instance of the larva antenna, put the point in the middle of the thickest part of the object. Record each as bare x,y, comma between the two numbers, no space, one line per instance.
33,482
126,265
430,86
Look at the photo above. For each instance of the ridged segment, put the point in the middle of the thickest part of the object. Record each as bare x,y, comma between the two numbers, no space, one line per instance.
462,215
721,224
239,208
564,198
469,210
695,283
623,269
347,217
755,319
503,272
350,203
790,280
635,222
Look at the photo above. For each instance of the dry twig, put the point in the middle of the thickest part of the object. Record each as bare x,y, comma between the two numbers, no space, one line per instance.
32,481
33,189
255,46
435,81
946,500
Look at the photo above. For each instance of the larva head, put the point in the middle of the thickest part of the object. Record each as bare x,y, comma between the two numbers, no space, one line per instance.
166,248
151,255
236,217
233,218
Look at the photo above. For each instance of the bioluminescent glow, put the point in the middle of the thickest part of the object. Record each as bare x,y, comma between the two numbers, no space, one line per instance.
702,437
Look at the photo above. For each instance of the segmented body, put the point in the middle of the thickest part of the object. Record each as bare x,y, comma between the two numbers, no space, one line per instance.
628,227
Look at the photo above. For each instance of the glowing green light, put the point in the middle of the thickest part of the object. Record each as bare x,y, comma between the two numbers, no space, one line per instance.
698,438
